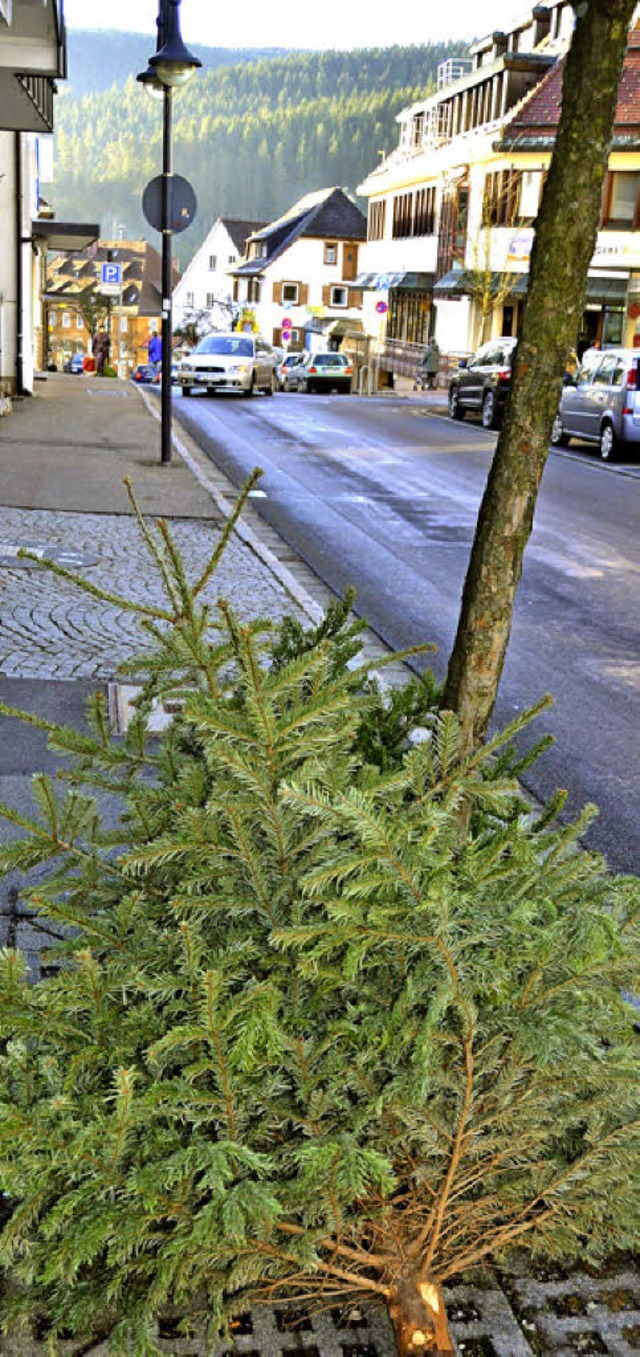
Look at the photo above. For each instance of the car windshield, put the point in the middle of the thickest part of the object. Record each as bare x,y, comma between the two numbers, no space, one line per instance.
239,345
330,360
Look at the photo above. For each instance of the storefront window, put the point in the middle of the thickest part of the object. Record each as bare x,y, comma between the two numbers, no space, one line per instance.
409,316
612,325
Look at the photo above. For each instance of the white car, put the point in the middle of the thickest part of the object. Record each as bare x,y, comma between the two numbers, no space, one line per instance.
235,361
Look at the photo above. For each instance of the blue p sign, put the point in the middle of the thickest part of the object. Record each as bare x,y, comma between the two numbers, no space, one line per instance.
112,274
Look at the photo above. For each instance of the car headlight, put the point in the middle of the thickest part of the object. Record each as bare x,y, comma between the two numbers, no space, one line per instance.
242,368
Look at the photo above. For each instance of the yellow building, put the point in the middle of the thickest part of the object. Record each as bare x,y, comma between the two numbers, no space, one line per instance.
76,306
452,209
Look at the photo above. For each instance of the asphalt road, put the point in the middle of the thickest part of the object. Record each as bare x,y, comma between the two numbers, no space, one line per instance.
382,495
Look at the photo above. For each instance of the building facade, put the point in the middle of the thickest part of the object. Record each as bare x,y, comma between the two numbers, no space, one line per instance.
203,298
76,306
301,270
32,58
451,211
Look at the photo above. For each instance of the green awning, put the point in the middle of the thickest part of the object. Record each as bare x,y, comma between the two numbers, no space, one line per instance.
610,291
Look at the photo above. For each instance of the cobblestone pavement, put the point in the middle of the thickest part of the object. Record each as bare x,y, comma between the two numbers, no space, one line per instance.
527,1317
51,629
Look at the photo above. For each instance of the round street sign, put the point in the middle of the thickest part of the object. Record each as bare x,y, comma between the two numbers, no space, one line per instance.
381,308
184,203
286,326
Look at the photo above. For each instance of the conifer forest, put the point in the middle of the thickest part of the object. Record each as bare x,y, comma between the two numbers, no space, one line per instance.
251,137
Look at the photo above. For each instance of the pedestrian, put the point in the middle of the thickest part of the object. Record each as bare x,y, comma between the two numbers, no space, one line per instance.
101,348
154,349
570,368
429,364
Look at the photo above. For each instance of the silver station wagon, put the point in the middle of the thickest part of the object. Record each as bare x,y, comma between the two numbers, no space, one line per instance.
601,404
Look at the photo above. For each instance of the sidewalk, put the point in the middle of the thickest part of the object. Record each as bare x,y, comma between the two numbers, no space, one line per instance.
63,456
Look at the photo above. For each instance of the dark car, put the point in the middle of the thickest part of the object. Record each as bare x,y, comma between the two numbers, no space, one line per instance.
482,383
146,374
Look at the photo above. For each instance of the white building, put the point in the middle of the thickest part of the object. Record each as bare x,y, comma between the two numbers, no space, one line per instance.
301,269
32,57
451,209
204,295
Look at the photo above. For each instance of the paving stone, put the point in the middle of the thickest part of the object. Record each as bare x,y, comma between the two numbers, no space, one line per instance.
51,629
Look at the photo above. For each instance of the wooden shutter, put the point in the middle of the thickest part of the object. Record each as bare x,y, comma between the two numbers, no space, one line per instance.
326,295
303,294
355,296
277,293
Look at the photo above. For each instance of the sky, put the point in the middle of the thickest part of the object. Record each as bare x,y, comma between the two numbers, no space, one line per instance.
255,23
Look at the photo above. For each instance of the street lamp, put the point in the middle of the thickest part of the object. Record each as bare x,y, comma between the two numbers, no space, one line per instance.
172,65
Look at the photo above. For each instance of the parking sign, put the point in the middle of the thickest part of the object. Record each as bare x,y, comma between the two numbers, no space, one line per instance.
112,274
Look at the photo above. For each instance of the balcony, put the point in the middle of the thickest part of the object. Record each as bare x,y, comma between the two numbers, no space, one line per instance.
32,57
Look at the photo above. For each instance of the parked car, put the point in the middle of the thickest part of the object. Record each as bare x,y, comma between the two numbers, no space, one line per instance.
288,371
74,364
482,383
146,375
601,403
238,362
325,372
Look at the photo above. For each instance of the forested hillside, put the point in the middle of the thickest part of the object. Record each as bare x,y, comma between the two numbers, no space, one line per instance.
251,138
98,59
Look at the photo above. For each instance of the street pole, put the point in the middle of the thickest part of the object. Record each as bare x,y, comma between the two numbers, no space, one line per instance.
167,272
120,362
173,65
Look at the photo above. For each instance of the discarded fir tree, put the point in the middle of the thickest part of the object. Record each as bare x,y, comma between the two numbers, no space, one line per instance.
304,1040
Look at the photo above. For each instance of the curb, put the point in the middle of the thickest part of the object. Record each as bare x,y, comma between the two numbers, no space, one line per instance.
198,465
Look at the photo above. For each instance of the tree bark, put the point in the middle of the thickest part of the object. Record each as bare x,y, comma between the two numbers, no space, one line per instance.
565,238
419,1319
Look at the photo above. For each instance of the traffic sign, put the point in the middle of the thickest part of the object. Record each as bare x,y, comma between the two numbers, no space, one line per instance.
184,203
286,327
109,289
112,275
381,308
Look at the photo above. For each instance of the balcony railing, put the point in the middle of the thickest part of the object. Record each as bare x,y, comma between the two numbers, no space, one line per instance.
453,69
40,90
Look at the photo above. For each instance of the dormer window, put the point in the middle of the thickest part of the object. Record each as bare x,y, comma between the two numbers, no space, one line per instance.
417,130
330,252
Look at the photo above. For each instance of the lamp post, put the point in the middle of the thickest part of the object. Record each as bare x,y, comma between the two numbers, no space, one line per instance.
172,66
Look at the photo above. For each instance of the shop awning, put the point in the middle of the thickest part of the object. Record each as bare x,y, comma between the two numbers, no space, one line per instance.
64,235
606,291
404,282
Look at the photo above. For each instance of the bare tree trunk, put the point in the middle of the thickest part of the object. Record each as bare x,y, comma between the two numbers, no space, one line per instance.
564,243
419,1319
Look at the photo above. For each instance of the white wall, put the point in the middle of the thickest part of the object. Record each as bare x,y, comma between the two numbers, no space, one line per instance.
303,263
199,280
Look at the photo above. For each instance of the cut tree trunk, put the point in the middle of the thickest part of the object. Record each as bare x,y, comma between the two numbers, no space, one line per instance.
564,243
419,1318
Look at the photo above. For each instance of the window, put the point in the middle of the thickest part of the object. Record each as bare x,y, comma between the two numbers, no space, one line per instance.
501,205
211,299
604,373
417,130
377,218
330,253
79,321
66,320
290,293
190,299
621,201
402,215
213,262
339,296
253,290
424,217
124,325
231,259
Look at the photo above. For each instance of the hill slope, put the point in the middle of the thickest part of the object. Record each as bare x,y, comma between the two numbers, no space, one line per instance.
251,137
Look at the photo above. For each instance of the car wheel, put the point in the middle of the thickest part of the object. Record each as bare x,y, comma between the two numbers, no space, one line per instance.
608,442
559,439
489,411
272,387
186,390
455,408
250,390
